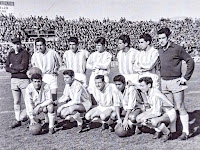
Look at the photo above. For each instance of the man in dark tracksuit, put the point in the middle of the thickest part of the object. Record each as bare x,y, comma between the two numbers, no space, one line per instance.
173,83
17,64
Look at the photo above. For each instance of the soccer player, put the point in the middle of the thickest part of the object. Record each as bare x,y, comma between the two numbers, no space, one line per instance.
75,97
104,94
17,64
173,82
75,59
131,101
147,59
159,111
49,62
126,59
99,62
38,99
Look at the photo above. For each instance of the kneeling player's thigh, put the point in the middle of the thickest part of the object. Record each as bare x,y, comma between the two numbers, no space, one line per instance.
162,119
92,113
134,114
78,107
50,108
140,117
106,113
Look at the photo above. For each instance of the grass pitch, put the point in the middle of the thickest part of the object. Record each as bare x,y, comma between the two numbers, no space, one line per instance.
20,138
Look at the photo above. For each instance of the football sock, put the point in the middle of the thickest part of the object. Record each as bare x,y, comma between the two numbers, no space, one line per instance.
17,112
185,123
51,119
164,129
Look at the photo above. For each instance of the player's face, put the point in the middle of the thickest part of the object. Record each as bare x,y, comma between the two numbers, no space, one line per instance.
99,84
121,45
144,87
143,44
68,79
17,46
163,40
120,86
41,47
100,48
73,46
37,83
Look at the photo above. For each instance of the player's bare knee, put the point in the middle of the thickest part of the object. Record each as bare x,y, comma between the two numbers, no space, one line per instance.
113,116
50,108
132,118
154,122
104,117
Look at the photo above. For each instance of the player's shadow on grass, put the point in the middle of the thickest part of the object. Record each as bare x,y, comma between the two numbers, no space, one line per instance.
194,123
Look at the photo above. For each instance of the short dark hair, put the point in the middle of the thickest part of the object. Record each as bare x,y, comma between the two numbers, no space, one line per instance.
73,39
100,77
147,80
146,37
125,39
36,76
101,40
119,78
40,39
69,72
165,30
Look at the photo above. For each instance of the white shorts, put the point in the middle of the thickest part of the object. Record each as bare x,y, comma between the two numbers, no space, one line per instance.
171,114
132,77
51,80
102,109
81,77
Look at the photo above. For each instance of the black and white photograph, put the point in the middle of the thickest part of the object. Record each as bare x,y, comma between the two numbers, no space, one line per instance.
99,74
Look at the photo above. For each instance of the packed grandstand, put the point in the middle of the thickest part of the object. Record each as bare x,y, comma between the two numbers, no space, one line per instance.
185,32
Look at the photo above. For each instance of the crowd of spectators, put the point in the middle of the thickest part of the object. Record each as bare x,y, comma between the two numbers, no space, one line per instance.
185,32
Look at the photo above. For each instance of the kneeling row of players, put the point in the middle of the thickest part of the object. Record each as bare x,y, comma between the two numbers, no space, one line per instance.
137,105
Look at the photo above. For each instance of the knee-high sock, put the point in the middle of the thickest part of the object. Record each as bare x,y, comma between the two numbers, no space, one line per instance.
164,129
51,119
157,130
17,112
172,126
78,118
185,123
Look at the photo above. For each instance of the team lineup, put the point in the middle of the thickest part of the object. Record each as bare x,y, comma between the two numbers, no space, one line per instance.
149,90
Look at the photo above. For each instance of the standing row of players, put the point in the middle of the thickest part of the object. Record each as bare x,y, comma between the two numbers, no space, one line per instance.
141,99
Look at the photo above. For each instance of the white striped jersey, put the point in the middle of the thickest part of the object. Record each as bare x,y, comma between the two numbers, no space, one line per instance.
107,97
76,93
101,60
126,61
76,61
49,62
33,97
128,97
157,101
146,59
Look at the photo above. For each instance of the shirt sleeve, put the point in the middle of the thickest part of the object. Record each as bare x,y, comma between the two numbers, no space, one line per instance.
29,103
189,61
89,64
8,68
47,96
156,107
116,98
131,99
